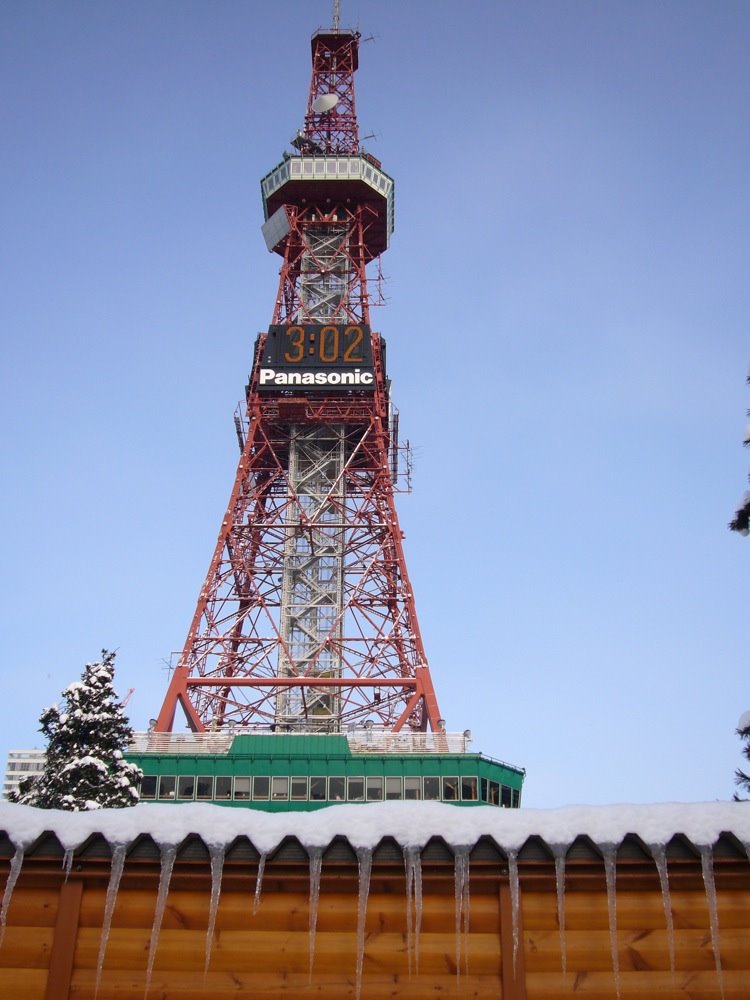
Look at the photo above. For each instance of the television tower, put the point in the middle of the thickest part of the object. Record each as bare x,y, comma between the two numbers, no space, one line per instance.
306,620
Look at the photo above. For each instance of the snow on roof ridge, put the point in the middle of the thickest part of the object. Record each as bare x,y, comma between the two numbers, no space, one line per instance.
409,823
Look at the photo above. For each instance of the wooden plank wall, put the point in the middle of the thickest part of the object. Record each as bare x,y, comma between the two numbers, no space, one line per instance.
52,936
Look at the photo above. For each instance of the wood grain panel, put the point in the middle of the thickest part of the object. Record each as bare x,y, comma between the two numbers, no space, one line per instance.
26,947
286,986
189,909
648,985
637,950
23,984
266,955
33,907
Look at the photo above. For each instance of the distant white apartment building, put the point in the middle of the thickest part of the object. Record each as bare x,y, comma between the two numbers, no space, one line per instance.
21,764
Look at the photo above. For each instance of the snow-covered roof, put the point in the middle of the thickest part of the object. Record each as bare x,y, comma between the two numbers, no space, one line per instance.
364,826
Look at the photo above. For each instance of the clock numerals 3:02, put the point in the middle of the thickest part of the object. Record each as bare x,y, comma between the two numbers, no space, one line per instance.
329,345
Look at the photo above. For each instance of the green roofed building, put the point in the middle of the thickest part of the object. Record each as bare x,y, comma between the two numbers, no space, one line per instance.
303,771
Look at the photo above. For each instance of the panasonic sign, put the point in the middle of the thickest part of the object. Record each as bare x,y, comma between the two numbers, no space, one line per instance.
271,378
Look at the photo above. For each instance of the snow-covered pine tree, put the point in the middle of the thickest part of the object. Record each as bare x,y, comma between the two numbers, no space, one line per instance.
741,520
741,779
84,766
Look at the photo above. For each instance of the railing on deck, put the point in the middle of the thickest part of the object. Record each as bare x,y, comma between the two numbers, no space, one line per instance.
361,741
190,743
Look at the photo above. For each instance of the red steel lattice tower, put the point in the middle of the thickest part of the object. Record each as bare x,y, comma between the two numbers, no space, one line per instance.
306,620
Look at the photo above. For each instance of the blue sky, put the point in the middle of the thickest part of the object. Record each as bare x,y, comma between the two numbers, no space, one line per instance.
567,337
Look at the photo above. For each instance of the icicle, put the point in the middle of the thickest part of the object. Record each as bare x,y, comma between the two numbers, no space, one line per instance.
514,899
461,895
259,883
115,874
364,861
659,854
409,903
560,852
609,851
707,866
168,855
413,865
216,853
15,870
68,861
316,864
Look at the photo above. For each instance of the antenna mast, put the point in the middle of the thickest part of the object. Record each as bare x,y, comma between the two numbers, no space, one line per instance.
336,14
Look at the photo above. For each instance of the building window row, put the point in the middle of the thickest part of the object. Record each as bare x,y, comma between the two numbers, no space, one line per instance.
322,788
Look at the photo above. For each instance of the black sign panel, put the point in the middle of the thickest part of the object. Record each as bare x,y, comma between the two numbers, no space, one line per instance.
330,356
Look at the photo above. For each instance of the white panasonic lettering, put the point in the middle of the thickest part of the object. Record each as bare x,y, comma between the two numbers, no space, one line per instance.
269,376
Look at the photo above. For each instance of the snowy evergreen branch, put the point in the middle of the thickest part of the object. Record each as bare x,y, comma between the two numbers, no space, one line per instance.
741,779
741,520
84,763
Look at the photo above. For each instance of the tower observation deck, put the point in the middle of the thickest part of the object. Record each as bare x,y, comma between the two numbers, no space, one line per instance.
305,626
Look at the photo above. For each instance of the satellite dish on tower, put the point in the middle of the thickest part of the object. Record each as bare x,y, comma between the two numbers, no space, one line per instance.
325,103
744,722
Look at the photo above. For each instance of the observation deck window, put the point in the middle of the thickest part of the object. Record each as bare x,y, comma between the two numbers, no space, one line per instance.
148,786
318,788
356,790
242,788
167,786
337,789
469,791
204,786
432,787
374,788
450,789
299,787
223,787
261,787
280,788
412,787
185,786
393,788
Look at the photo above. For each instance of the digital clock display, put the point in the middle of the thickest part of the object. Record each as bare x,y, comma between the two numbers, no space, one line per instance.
313,346
331,356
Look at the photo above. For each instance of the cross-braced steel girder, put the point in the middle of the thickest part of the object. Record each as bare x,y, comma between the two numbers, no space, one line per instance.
323,275
334,61
363,660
